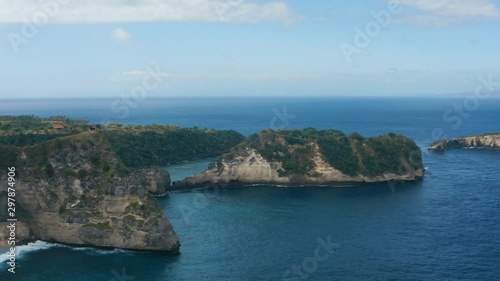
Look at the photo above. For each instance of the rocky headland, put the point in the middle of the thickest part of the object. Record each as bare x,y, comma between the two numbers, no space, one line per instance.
311,157
75,190
92,184
486,141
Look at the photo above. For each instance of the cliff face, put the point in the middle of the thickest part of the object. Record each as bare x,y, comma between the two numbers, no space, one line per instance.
488,141
314,158
156,180
75,190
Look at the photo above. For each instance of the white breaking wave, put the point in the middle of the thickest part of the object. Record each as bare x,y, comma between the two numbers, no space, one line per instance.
30,247
95,251
161,195
41,245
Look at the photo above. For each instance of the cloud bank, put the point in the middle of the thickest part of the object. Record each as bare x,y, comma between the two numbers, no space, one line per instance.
121,11
442,13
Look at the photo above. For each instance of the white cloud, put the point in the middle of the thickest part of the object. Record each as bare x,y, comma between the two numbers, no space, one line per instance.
456,8
119,11
441,13
120,35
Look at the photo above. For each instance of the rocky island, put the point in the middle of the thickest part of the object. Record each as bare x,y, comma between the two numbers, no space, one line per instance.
486,141
313,157
90,185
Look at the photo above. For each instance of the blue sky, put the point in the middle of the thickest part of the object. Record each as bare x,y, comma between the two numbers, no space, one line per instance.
91,48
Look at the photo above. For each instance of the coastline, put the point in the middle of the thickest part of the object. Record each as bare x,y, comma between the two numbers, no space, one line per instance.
281,185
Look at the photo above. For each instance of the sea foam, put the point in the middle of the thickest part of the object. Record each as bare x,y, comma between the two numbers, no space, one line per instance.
41,245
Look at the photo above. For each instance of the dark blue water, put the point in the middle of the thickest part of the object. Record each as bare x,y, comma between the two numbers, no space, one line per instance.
445,227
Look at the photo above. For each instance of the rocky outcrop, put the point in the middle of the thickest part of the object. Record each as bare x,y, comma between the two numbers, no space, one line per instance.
157,180
75,190
273,157
488,141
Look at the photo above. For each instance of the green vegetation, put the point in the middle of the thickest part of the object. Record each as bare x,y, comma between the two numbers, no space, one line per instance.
143,146
8,157
351,154
137,146
136,205
25,139
82,174
155,145
88,200
389,153
339,153
153,204
49,170
290,147
129,217
297,161
28,129
100,225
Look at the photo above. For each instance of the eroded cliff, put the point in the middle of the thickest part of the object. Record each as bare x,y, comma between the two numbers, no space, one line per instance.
311,157
75,190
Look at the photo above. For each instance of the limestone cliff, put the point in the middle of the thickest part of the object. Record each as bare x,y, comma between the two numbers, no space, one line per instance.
487,141
75,190
310,157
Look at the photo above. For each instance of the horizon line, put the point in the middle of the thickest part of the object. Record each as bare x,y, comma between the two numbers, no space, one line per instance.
456,95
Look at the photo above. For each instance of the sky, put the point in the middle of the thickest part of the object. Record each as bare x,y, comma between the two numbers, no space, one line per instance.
108,48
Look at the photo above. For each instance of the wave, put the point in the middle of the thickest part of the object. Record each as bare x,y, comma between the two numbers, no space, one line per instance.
96,251
22,250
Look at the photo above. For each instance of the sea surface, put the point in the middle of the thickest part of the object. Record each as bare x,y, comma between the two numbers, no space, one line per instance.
445,227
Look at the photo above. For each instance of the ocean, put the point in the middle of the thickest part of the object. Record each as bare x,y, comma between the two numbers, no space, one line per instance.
444,227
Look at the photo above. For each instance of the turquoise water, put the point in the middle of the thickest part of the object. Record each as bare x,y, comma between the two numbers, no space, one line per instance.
444,227
185,169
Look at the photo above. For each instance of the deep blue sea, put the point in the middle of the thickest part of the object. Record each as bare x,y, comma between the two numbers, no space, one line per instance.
445,227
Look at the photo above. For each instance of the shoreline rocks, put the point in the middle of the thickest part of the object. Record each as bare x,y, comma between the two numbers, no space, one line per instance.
487,141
